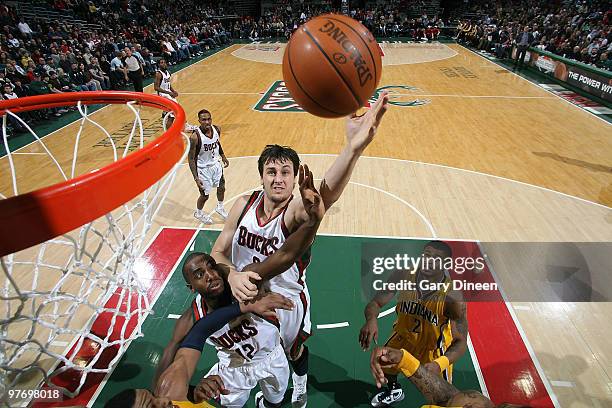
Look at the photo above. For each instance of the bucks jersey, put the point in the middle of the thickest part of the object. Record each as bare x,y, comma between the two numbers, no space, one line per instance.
165,83
208,148
246,339
421,327
254,241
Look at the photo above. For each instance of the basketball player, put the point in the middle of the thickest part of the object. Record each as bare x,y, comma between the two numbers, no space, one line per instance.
430,324
433,387
163,87
244,359
173,387
258,224
204,151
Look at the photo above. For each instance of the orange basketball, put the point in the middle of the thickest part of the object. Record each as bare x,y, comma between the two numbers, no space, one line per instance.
332,65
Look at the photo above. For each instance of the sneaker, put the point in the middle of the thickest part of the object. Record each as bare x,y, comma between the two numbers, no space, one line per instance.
299,396
259,400
202,217
221,211
388,396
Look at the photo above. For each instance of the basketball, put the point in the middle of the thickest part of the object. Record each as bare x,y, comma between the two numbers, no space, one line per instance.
332,65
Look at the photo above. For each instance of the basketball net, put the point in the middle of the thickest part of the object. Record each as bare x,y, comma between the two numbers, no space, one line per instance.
70,306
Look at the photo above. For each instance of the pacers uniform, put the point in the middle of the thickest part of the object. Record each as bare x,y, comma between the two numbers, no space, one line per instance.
249,353
421,327
253,242
210,170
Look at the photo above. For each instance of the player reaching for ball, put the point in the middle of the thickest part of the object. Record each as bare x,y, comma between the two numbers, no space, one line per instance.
204,152
260,223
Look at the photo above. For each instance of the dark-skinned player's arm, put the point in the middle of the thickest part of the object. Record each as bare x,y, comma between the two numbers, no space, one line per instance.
360,131
455,309
221,152
174,381
299,241
181,328
434,388
369,331
191,157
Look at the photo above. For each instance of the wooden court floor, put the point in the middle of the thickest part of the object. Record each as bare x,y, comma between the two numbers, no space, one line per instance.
486,156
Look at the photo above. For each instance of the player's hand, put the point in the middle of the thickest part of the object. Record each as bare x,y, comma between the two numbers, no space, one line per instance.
174,94
313,204
383,357
199,184
208,388
242,287
225,162
266,304
368,332
360,130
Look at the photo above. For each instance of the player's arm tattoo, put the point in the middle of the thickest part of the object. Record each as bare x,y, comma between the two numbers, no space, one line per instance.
434,388
456,311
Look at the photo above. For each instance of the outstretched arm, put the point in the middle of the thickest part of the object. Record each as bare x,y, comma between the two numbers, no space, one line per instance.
360,131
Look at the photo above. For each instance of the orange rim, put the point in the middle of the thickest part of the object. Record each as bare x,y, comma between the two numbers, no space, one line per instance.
31,218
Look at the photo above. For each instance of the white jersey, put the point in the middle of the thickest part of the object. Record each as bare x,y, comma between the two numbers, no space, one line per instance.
254,242
208,153
247,339
165,83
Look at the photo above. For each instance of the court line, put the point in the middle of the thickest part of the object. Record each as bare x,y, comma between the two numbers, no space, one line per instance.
332,325
102,384
31,153
452,168
479,375
175,316
538,87
104,107
386,312
410,94
562,384
522,333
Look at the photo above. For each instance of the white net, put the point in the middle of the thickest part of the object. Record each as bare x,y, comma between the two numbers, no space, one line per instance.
70,306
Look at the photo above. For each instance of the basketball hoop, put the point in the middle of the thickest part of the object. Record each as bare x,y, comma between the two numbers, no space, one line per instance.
68,250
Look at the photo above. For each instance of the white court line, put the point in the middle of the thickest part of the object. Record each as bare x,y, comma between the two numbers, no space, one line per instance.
102,384
568,384
174,316
332,325
106,106
31,153
546,90
386,312
523,335
479,375
453,168
394,94
221,93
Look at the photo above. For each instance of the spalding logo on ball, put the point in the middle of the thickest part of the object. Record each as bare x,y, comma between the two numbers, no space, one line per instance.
332,65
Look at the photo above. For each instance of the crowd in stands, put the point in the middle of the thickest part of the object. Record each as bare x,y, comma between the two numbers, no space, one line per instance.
383,21
578,30
39,56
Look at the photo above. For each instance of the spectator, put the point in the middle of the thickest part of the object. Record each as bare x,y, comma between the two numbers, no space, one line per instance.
96,73
118,73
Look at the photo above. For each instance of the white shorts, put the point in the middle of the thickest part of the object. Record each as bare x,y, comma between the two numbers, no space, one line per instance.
295,326
165,95
272,375
211,177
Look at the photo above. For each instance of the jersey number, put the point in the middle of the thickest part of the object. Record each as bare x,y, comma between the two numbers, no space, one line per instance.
417,326
247,351
256,260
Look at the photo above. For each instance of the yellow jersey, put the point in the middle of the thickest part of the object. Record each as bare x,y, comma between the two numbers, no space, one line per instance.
189,404
421,327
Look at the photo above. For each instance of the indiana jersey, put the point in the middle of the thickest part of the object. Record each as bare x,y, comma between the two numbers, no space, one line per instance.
247,339
421,327
165,82
189,404
254,241
208,148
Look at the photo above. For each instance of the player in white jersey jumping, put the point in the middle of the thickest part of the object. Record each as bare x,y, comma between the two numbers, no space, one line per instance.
163,87
259,224
204,152
248,346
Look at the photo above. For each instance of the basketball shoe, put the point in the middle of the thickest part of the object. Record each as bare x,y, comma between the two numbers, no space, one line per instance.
221,211
391,395
202,217
299,398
